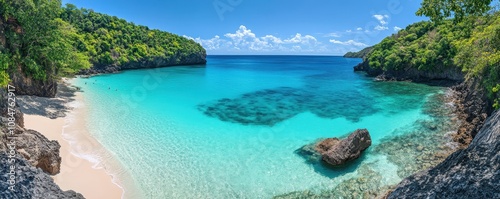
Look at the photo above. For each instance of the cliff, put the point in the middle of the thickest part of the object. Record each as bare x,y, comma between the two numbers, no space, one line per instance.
192,59
31,182
410,73
469,173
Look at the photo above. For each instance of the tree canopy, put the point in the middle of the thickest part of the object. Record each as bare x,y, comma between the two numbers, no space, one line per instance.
35,41
109,40
438,10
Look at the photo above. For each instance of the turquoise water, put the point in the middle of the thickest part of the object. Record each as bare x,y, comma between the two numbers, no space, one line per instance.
229,129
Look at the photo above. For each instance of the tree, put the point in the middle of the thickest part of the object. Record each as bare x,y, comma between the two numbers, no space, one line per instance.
438,10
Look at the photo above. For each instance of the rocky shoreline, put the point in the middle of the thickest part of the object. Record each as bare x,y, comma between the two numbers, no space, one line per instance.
36,158
473,106
476,137
157,62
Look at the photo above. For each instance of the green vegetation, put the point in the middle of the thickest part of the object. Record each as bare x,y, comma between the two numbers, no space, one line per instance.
45,41
36,42
438,10
109,40
471,42
361,54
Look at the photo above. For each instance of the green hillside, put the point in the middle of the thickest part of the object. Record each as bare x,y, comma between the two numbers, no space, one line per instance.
43,41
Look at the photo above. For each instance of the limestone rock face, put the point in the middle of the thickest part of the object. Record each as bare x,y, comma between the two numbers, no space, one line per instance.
39,151
191,59
410,73
347,149
31,182
473,172
473,108
29,86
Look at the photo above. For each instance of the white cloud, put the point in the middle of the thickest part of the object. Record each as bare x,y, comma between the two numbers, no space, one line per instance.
382,19
298,38
273,39
359,29
210,44
243,40
396,28
348,30
379,27
348,43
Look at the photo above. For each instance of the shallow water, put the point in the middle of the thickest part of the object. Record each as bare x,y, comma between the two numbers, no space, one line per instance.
229,129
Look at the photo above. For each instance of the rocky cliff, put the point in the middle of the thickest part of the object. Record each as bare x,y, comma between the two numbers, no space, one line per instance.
413,74
470,173
28,86
31,182
191,59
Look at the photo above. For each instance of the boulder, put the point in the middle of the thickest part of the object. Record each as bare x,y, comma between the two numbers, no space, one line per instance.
337,152
39,151
347,149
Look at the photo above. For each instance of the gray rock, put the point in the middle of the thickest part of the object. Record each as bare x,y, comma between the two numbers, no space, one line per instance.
413,74
473,172
30,182
347,149
28,86
39,151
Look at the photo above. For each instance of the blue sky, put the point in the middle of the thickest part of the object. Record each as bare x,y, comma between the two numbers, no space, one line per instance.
304,27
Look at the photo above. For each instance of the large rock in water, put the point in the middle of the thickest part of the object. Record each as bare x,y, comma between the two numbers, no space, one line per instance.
473,172
31,182
340,152
335,151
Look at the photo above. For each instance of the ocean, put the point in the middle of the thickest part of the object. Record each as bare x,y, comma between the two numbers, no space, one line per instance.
231,128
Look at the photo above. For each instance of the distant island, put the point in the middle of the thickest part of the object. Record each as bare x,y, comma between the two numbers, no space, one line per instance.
360,54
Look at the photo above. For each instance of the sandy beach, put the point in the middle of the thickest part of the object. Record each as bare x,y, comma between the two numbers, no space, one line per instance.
78,174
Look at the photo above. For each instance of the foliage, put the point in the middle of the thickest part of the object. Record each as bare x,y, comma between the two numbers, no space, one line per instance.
439,10
479,55
109,40
36,42
472,44
423,45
